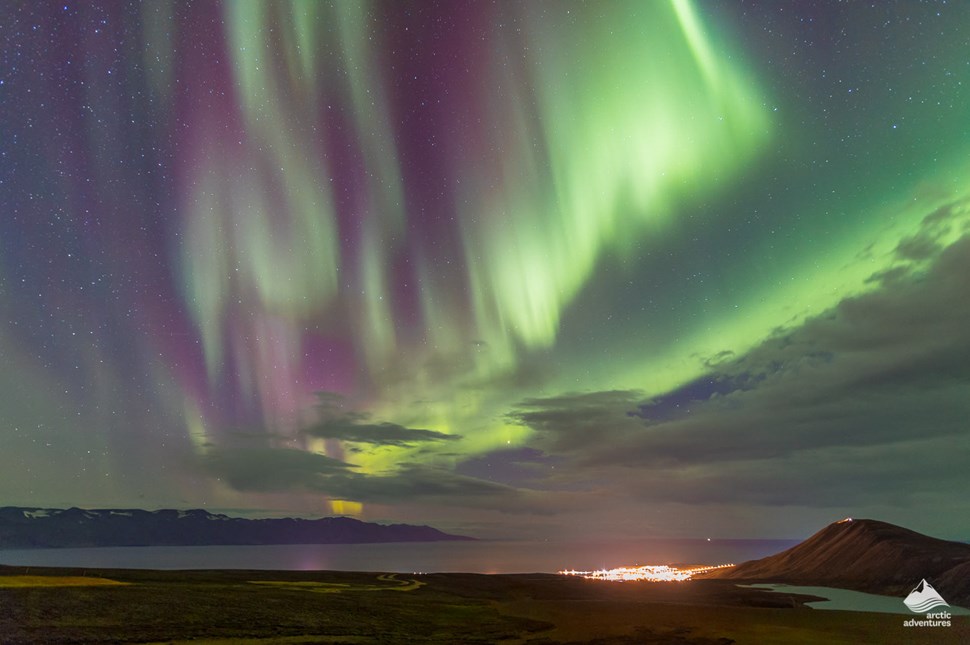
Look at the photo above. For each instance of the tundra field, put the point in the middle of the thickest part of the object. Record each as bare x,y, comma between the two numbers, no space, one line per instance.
87,606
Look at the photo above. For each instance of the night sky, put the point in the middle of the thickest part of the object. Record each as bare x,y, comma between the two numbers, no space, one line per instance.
534,269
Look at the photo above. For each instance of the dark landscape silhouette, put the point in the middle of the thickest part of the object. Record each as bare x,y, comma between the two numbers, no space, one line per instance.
75,527
865,555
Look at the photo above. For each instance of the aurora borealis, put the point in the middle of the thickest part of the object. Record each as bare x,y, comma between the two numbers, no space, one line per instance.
667,267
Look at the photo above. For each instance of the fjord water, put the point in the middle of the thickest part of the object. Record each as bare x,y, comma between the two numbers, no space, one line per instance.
483,556
847,600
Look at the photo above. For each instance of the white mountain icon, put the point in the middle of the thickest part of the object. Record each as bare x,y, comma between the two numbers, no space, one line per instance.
924,598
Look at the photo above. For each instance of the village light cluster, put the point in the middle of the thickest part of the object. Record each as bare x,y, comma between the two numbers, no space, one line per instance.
650,572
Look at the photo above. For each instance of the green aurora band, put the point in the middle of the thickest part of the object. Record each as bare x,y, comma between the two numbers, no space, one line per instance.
599,128
556,198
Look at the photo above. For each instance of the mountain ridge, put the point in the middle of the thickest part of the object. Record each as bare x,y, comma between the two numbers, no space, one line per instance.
32,527
865,555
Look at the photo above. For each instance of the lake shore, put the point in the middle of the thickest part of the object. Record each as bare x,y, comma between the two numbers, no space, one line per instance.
57,606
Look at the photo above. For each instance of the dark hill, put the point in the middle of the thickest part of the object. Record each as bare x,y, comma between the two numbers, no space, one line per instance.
75,527
866,555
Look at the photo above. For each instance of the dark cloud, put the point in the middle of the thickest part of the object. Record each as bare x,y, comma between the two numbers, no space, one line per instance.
414,482
918,247
270,469
896,474
891,277
574,421
865,402
719,358
347,425
349,428
680,402
926,244
889,365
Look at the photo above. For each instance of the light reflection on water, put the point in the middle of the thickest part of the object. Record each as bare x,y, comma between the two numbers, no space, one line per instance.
485,556
846,600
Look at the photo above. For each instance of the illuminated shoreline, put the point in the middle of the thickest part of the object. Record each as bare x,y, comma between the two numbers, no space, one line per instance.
649,572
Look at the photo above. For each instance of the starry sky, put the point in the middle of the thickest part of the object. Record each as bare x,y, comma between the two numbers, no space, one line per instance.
512,269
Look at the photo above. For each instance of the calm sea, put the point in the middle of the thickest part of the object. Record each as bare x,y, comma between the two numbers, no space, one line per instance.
485,556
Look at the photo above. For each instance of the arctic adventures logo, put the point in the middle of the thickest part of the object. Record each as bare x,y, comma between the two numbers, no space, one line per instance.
922,600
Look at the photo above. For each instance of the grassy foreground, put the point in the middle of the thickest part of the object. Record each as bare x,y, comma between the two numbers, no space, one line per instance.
50,606
16,582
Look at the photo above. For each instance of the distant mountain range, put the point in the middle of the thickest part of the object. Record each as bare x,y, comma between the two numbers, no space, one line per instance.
75,527
866,555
